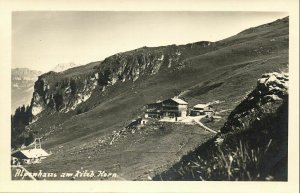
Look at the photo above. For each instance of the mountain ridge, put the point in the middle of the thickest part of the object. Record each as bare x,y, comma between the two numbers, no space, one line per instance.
64,66
22,86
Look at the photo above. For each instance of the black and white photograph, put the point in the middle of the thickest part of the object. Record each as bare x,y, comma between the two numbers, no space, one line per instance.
155,95
149,95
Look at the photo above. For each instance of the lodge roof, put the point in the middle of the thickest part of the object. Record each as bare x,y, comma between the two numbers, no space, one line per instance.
179,101
201,105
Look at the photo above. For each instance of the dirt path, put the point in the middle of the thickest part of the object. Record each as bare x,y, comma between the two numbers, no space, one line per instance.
205,127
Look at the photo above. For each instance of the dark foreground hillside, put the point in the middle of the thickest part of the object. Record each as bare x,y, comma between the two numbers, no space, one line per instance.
252,144
78,112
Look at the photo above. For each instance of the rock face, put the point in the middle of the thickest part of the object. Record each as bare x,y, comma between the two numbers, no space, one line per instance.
271,92
63,95
64,91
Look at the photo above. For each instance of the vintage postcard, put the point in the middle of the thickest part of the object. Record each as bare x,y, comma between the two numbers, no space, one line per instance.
117,95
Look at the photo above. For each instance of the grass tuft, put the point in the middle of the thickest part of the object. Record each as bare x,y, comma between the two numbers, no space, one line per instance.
240,163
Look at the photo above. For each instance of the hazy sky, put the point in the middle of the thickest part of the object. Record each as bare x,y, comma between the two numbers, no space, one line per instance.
41,40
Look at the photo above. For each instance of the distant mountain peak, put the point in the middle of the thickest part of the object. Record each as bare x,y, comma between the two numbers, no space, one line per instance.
24,71
22,82
64,66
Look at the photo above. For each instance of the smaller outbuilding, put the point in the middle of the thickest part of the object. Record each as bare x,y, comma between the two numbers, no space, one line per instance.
138,122
202,109
142,121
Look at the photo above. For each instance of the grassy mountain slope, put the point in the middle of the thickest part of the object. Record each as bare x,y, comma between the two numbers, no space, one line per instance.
200,72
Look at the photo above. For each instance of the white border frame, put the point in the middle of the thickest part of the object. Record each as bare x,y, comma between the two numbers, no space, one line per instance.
6,8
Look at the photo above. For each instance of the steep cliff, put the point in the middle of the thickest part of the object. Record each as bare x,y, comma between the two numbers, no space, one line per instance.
54,92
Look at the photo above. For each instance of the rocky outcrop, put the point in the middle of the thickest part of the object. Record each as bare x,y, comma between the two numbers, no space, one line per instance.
61,94
270,93
131,65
